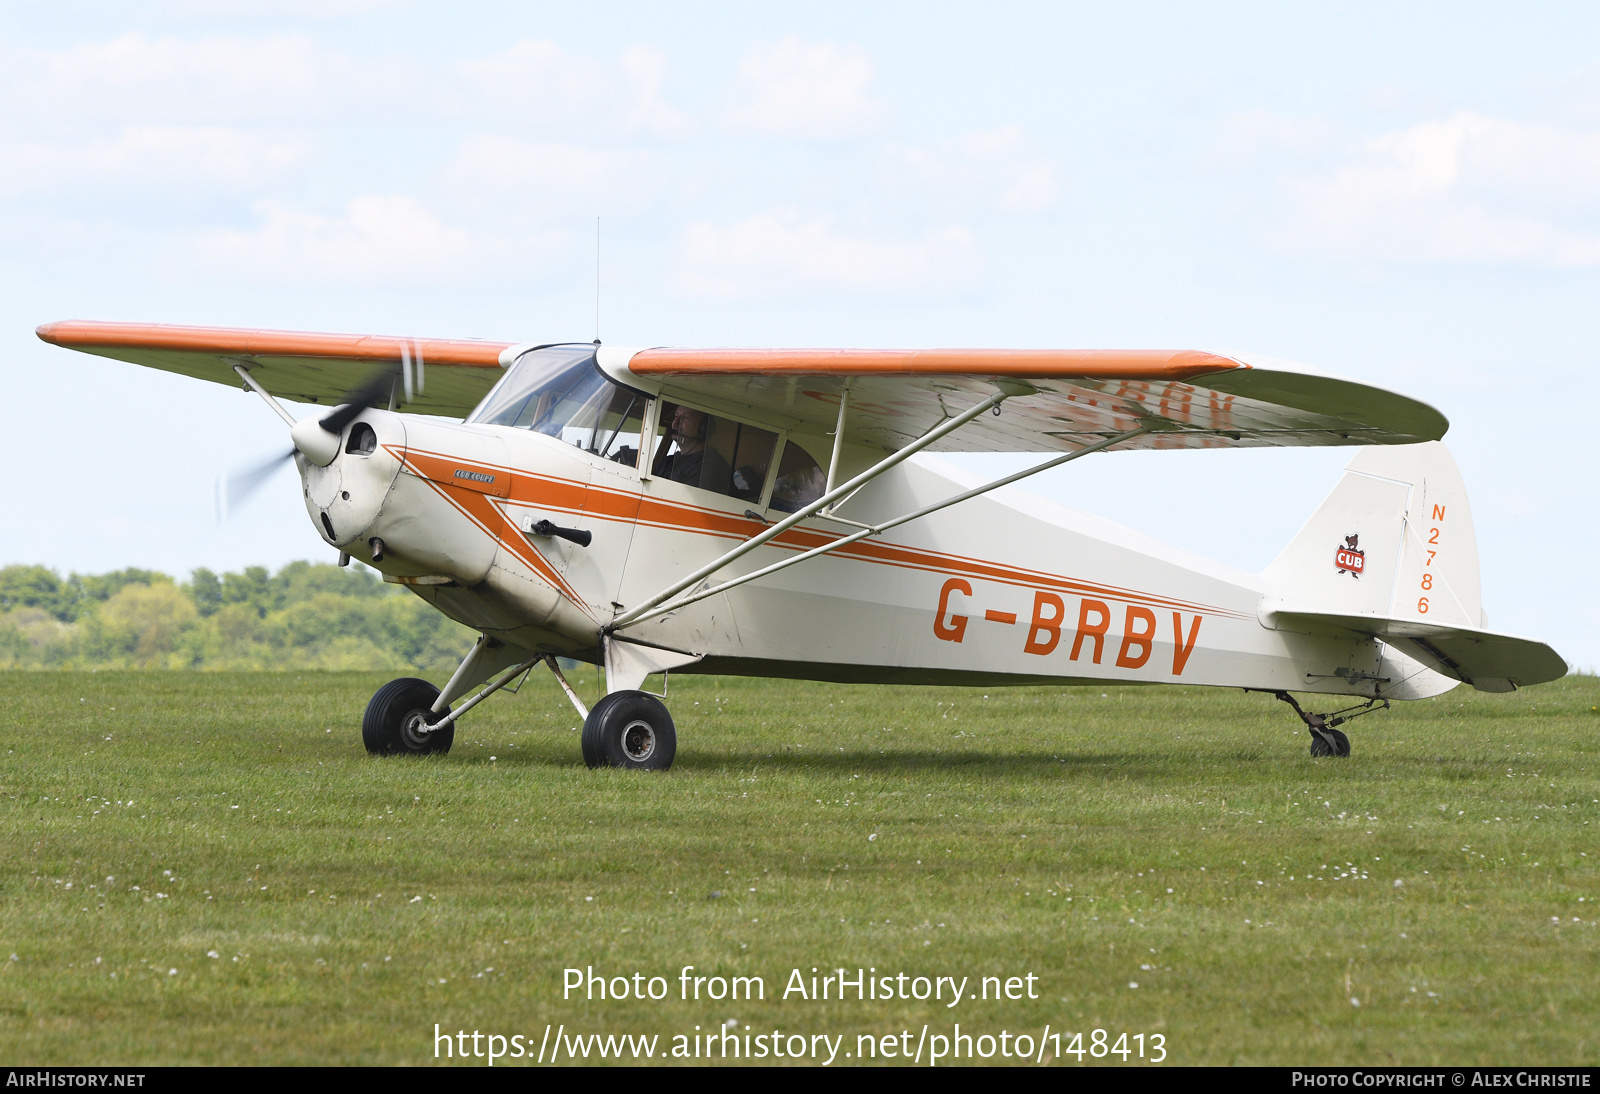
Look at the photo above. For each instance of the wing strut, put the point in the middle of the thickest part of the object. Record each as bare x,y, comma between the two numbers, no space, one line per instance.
663,602
823,502
277,407
838,439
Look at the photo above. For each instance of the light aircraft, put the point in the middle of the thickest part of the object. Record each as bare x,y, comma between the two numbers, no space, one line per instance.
757,512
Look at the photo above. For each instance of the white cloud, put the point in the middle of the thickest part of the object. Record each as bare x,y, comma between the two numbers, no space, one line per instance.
1462,189
174,156
1261,133
538,83
222,125
810,90
1027,182
645,68
531,182
994,167
278,9
354,169
236,80
180,80
775,254
381,238
532,75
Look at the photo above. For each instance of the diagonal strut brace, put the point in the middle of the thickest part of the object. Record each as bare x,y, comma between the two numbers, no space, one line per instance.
663,603
495,685
934,434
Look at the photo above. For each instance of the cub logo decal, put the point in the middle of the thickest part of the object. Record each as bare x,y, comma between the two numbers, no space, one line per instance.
1350,559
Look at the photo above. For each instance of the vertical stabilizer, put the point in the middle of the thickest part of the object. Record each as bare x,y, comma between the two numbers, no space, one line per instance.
1394,539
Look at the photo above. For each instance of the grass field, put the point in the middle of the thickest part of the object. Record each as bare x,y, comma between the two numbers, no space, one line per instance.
267,873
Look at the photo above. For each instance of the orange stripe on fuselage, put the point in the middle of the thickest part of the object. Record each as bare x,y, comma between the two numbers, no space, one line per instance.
628,507
482,511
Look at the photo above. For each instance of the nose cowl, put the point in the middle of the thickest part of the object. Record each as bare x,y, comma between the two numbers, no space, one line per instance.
314,442
345,494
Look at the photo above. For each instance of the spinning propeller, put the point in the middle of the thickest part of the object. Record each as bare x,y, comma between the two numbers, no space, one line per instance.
318,438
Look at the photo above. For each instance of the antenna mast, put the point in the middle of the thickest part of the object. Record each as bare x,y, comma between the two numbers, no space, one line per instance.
597,280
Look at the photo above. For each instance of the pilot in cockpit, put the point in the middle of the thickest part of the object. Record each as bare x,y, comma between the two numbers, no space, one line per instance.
691,461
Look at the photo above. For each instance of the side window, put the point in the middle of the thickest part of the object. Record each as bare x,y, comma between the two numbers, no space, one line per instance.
716,454
800,480
617,436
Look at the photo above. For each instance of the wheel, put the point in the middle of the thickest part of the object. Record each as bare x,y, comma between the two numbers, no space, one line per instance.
594,753
395,716
629,729
1341,744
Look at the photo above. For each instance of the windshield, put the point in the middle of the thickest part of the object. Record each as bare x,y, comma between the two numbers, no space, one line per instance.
560,392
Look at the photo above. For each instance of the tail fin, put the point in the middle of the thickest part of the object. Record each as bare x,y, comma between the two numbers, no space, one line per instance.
1394,539
1391,554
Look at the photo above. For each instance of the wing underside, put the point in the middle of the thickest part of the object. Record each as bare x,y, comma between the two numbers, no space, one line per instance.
1186,399
301,367
1066,399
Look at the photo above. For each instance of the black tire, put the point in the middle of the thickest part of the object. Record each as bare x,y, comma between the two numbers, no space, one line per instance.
389,727
591,741
1341,744
629,729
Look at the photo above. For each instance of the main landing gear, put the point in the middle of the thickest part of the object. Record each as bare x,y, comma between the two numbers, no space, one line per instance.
400,719
1325,739
629,729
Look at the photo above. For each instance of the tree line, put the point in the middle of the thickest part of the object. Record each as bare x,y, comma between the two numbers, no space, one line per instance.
305,616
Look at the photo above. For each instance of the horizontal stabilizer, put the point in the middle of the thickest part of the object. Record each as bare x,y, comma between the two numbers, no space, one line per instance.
1486,660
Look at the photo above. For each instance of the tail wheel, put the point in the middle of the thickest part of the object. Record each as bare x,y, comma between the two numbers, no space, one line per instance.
1321,745
397,719
629,729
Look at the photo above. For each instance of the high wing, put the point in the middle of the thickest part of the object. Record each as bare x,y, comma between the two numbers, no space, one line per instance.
1186,398
303,367
1071,398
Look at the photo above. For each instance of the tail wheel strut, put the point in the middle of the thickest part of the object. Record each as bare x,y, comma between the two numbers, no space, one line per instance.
1325,739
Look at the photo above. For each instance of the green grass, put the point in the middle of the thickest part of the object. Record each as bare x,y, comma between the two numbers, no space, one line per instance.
1078,835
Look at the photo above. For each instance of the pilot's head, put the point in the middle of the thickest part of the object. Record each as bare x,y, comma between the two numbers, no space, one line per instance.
688,428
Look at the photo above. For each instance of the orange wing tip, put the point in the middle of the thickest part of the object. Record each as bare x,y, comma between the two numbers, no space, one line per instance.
1039,364
85,334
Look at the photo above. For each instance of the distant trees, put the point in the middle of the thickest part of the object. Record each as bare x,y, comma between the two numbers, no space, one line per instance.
67,600
306,616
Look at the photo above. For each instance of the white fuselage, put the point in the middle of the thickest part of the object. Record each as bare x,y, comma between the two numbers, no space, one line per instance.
1000,589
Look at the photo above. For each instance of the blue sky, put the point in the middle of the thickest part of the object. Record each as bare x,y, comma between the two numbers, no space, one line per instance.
1406,195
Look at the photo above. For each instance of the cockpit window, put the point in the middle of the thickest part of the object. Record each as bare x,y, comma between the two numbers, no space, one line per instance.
559,391
800,481
712,452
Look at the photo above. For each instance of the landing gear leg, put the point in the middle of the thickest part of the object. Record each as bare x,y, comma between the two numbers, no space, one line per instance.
1325,739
